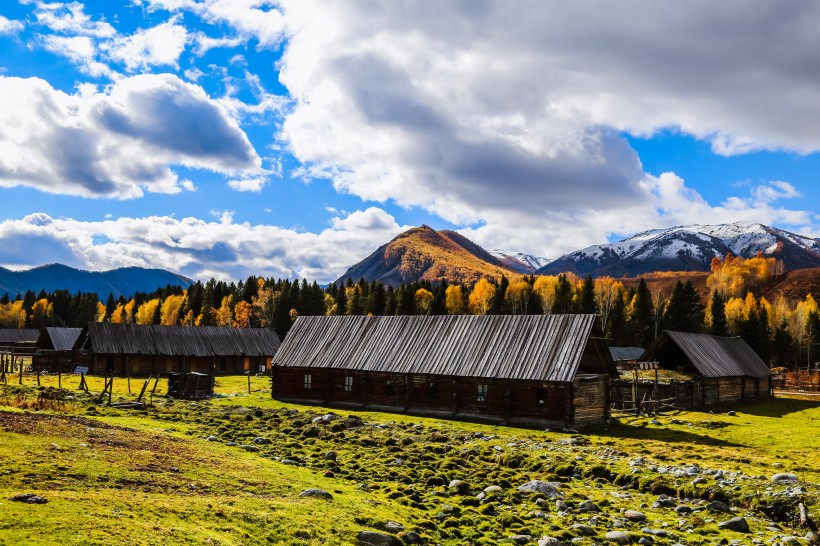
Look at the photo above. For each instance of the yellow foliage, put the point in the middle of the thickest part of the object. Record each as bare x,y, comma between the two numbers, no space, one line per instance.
481,298
424,300
146,312
544,289
118,314
41,313
733,276
224,315
518,297
169,312
242,315
100,314
129,311
331,307
12,315
454,299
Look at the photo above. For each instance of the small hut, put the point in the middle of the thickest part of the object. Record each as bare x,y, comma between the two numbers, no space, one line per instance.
56,348
625,357
529,369
725,369
16,346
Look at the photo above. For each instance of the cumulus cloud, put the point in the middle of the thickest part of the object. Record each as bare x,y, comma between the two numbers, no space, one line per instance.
198,248
116,143
81,50
156,46
70,18
10,26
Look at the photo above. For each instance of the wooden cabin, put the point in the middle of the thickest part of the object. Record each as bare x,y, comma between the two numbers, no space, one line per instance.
16,346
725,369
626,357
528,369
56,350
130,349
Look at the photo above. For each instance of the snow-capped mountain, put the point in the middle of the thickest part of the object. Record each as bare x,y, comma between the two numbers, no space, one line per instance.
689,248
520,261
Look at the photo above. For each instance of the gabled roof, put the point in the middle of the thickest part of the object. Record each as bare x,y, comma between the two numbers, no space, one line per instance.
626,353
58,339
712,356
133,339
529,347
12,336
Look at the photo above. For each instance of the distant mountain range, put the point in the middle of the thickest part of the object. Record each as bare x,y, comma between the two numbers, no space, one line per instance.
125,281
688,248
424,253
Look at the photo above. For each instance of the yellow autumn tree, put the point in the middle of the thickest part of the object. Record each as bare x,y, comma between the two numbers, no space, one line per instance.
734,275
99,316
242,315
331,307
41,313
481,297
12,315
224,315
147,311
454,299
424,301
606,290
118,314
129,311
169,312
518,297
544,289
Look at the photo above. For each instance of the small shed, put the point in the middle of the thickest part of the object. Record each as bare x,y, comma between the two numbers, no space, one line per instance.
56,349
529,369
149,350
16,343
625,356
726,369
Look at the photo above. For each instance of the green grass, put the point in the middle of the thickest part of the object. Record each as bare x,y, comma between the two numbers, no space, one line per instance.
151,477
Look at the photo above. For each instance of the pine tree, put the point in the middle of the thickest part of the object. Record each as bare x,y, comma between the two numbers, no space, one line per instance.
641,316
563,296
719,327
588,303
684,313
616,327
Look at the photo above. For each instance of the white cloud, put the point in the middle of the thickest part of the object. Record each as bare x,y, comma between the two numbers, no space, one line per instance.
116,143
10,26
205,43
252,184
81,50
70,18
196,247
156,46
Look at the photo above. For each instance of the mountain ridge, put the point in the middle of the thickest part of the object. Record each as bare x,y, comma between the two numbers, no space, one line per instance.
124,281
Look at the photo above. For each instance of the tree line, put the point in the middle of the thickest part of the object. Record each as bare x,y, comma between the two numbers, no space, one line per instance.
782,332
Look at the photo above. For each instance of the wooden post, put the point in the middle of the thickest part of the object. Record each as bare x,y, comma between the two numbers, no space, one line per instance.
38,377
21,368
59,378
249,382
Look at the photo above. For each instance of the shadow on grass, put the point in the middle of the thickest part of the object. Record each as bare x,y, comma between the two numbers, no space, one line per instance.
659,434
774,407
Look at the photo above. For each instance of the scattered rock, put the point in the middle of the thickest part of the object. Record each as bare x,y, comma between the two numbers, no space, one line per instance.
252,449
393,527
717,506
654,532
373,538
588,506
326,418
316,493
493,489
460,487
584,530
561,506
784,477
634,516
29,498
654,422
413,538
230,444
549,541
213,438
699,480
521,539
330,456
261,441
683,509
550,489
643,541
735,524
618,537
731,413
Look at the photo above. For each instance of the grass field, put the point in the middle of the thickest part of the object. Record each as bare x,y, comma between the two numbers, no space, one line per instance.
152,477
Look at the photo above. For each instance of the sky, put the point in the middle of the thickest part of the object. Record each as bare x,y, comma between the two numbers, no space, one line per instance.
291,138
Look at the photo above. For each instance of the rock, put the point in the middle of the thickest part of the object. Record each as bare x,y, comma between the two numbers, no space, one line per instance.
683,509
541,502
252,449
261,441
550,489
717,506
666,502
372,538
654,532
549,541
654,422
634,516
561,506
784,477
618,537
735,524
326,418
521,539
588,506
413,538
731,413
582,529
230,444
316,493
643,541
393,527
698,481
493,489
213,438
29,498
330,456
460,487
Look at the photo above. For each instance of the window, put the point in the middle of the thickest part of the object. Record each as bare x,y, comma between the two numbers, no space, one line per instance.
348,383
308,381
432,391
541,396
481,395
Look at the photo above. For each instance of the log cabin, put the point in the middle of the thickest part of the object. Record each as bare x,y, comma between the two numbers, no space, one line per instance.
541,370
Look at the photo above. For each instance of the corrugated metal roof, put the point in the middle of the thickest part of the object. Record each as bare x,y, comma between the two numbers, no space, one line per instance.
531,347
60,339
10,336
714,356
133,339
626,353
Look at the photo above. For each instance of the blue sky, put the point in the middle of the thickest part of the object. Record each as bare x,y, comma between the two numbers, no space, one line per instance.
291,138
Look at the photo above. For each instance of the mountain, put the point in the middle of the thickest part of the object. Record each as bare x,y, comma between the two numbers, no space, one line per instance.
121,282
519,261
424,253
688,248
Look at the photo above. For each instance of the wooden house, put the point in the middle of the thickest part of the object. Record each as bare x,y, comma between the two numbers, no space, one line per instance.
56,349
16,343
529,369
725,369
122,349
626,357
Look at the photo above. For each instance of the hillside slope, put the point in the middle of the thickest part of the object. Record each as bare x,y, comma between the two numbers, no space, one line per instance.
424,253
119,282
